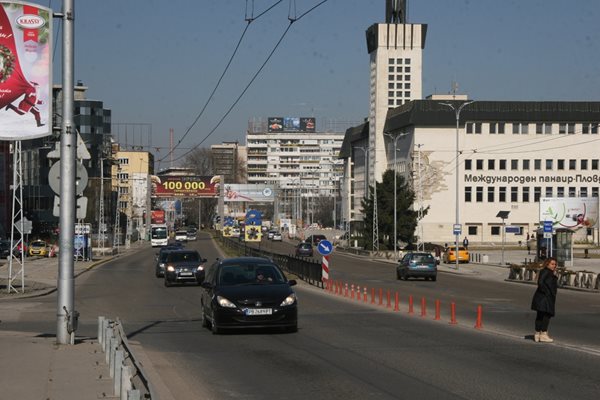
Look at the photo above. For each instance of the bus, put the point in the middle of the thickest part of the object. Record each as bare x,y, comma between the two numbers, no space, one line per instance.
159,235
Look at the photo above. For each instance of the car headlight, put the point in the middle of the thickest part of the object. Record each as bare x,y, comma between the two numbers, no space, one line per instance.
162,265
170,268
223,302
200,268
291,299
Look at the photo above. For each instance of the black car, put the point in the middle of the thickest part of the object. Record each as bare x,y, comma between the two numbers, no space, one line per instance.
315,239
183,266
417,265
248,292
4,249
304,249
161,258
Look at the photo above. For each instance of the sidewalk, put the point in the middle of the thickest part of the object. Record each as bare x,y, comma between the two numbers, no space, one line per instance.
35,366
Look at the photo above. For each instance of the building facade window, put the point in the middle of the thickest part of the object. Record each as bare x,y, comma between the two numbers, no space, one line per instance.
502,194
572,165
589,128
468,165
584,164
473,127
479,164
543,128
491,194
572,191
526,165
514,165
537,193
525,194
537,164
479,194
549,191
468,194
491,165
514,194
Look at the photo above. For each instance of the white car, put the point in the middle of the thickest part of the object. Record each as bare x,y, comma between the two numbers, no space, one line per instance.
277,237
181,235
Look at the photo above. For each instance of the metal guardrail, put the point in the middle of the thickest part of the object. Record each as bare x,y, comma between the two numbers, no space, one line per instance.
130,382
566,279
309,270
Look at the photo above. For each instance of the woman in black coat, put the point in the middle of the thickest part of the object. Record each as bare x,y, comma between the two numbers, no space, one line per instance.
544,300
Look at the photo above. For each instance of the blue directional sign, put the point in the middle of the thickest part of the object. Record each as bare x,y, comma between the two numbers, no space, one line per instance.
548,226
325,247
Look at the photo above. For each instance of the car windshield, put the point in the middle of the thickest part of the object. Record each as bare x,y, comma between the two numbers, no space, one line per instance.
183,257
244,274
423,258
159,233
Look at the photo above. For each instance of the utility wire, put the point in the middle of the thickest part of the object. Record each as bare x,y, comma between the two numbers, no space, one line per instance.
210,97
292,20
241,94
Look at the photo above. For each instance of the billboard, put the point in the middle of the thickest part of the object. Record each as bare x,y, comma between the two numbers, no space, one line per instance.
291,124
25,71
184,186
570,212
275,124
157,217
249,193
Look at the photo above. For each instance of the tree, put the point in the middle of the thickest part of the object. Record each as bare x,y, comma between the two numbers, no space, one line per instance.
407,217
323,210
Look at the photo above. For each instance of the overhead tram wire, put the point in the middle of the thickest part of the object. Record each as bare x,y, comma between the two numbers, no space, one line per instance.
249,20
292,20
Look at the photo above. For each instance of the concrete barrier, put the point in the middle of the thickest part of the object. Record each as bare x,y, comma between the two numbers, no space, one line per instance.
129,379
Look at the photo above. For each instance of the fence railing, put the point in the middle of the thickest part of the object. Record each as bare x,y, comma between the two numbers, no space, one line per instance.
130,382
566,278
308,270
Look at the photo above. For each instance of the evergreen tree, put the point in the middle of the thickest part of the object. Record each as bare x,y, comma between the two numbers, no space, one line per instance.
406,215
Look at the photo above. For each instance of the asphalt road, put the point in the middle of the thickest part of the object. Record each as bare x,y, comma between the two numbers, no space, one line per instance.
344,348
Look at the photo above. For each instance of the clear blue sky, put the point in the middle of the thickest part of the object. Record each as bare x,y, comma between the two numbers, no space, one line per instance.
156,62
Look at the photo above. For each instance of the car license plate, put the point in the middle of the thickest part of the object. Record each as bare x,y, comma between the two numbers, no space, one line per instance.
259,311
185,274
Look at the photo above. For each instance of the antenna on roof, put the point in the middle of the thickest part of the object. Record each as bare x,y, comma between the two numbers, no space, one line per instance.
395,11
454,89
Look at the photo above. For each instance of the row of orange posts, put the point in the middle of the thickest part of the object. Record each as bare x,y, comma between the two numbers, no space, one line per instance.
354,293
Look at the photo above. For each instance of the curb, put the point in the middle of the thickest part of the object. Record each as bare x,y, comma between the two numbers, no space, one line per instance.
51,289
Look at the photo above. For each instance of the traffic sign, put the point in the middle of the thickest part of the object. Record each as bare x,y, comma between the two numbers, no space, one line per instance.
457,229
512,229
81,179
548,226
27,225
325,247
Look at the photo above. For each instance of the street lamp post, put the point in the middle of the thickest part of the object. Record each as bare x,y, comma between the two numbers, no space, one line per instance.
457,230
503,215
395,139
